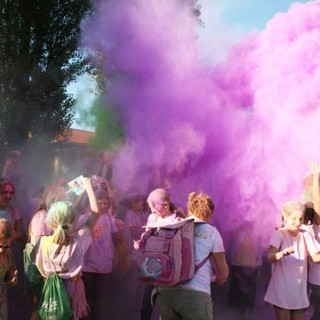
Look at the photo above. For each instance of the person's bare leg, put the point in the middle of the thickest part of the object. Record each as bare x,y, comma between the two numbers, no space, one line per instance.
35,302
298,315
282,314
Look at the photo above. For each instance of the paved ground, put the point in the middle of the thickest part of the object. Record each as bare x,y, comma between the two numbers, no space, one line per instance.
19,306
263,311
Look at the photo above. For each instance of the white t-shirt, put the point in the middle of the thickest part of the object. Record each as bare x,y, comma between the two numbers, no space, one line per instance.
67,261
100,254
288,285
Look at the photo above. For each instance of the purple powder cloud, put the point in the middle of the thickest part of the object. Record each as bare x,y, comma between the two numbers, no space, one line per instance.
242,131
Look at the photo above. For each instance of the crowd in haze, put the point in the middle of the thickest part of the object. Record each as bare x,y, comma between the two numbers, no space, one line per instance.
85,232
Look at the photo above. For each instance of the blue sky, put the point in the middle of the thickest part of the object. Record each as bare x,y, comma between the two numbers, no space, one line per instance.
225,21
228,21
247,15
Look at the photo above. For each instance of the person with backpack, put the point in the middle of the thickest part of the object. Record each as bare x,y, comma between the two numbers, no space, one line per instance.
161,207
62,254
162,212
38,228
192,300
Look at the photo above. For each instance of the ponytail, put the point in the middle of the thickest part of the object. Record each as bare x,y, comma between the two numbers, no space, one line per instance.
61,236
60,217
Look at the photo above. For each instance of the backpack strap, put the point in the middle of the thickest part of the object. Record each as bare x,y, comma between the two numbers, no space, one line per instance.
209,257
200,264
145,235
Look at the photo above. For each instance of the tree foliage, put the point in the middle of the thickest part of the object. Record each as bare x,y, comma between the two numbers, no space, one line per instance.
38,59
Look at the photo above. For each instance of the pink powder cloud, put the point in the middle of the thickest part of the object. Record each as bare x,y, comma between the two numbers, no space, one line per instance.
242,131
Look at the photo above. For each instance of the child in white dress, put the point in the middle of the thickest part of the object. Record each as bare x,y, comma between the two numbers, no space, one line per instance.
288,250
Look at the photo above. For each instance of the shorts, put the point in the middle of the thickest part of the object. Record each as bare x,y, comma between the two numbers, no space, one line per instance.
185,304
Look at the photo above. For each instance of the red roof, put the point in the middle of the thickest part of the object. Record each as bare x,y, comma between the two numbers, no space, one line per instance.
80,136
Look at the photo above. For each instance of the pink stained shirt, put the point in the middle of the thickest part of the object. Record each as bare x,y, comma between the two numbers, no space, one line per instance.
67,261
99,256
38,226
288,285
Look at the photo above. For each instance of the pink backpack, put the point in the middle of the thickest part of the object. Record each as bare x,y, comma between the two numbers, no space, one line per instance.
167,254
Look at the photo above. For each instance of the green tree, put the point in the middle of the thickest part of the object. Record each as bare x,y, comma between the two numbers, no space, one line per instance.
38,59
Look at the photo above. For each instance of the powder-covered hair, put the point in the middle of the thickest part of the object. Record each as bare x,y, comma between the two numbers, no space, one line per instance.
161,196
289,207
101,194
53,193
200,205
6,235
60,217
6,229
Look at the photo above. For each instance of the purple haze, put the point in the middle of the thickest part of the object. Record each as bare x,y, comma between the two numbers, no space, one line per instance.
242,131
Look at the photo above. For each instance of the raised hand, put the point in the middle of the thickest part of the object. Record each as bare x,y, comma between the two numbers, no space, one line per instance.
86,182
314,167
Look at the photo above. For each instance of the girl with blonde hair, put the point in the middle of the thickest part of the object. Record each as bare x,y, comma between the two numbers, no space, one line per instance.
162,212
289,248
63,251
38,228
161,207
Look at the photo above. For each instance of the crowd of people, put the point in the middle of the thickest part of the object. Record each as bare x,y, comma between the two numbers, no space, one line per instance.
88,238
